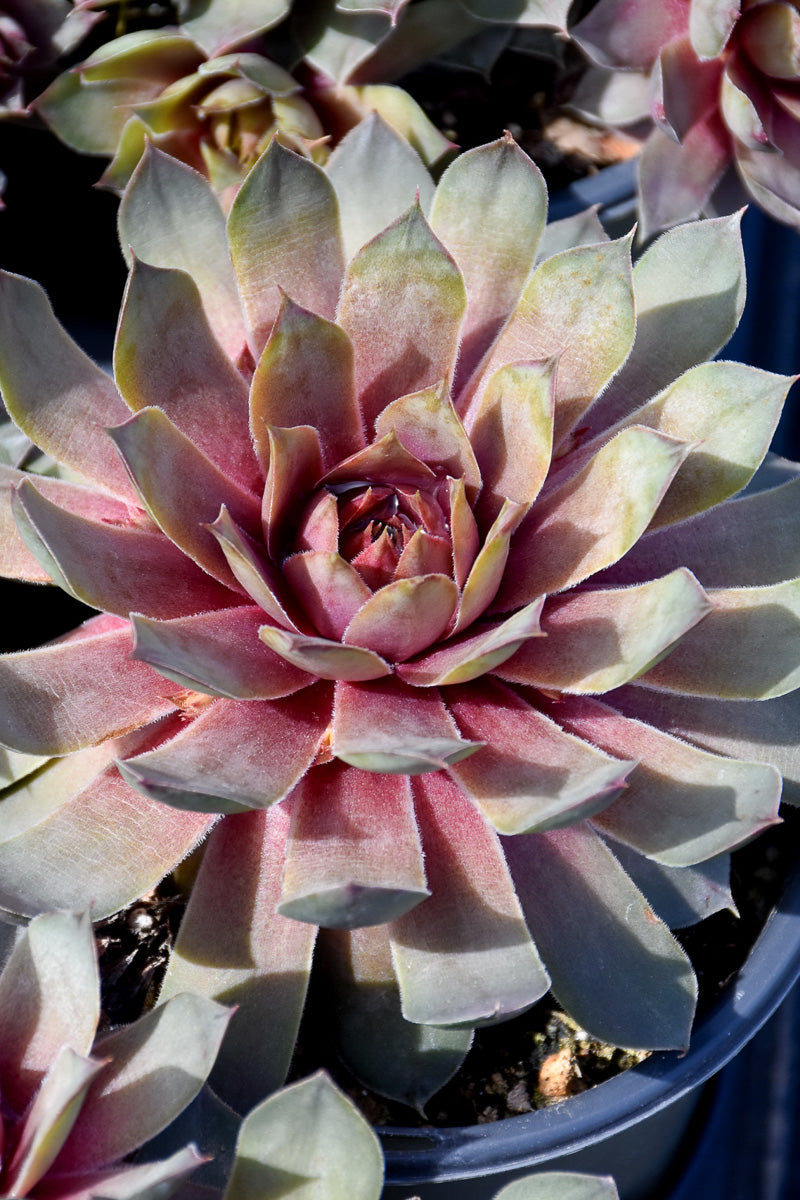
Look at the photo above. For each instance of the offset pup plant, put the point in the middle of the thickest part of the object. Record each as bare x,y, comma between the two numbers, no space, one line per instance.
429,604
719,83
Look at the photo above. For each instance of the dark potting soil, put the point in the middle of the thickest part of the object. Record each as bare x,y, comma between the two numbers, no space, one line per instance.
533,1060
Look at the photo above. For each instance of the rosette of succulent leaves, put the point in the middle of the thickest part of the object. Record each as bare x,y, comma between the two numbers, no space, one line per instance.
443,599
714,87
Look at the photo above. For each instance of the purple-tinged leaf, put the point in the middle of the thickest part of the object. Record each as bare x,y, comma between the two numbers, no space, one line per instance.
353,855
284,233
387,726
170,217
92,559
324,658
474,653
390,624
166,356
464,532
390,288
147,1181
329,590
385,462
529,774
596,640
53,391
237,754
293,464
681,805
217,652
486,573
425,554
256,575
464,956
183,489
630,33
79,691
614,965
678,179
49,999
305,377
235,948
427,425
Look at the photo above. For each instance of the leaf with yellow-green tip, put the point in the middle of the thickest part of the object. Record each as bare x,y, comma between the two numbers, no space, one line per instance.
404,1061
529,774
596,640
480,586
355,859
681,805
512,434
53,391
615,967
747,647
44,818
374,160
405,116
309,1141
325,658
689,289
170,217
426,423
165,583
165,355
78,691
284,232
305,377
217,652
579,307
497,190
475,652
49,1000
183,489
387,726
402,304
464,957
591,520
391,622
235,755
293,466
235,948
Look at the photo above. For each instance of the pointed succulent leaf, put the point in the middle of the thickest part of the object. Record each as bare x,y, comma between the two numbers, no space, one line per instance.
591,520
99,691
305,377
388,623
235,755
689,288
49,1000
621,33
374,158
47,816
427,425
308,1140
166,356
464,957
170,217
213,24
404,1061
559,1185
496,189
486,573
474,653
147,1181
165,583
407,119
594,929
329,589
749,648
284,232
710,25
598,640
235,948
582,229
153,1069
327,659
681,805
385,726
681,896
293,464
588,291
677,179
386,462
357,859
183,489
249,565
53,391
390,287
217,652
530,774
530,12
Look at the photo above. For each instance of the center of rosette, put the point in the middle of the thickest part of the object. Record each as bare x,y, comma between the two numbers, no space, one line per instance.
383,529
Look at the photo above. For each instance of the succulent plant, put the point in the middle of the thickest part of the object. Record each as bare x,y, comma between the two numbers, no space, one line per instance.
429,599
74,1105
217,114
33,34
717,84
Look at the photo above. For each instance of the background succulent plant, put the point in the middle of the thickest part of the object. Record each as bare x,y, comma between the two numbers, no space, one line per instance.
75,1106
719,86
378,506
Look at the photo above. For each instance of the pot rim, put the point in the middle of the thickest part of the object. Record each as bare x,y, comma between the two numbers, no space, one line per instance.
427,1155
